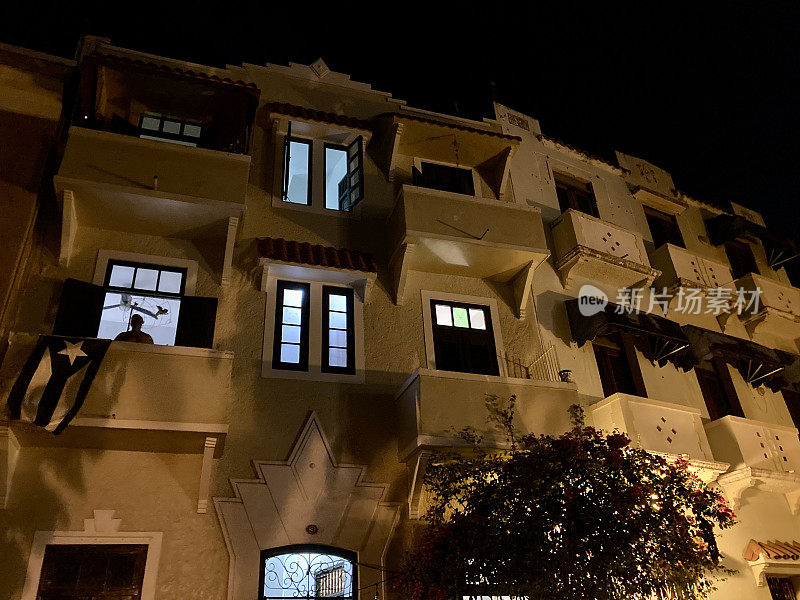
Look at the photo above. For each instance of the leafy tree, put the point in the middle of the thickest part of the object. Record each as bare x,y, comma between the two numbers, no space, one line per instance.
580,516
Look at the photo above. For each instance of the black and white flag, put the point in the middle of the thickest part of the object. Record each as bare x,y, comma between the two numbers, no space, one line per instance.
55,379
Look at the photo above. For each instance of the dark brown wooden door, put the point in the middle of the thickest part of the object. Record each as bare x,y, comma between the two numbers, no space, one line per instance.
92,572
781,588
718,395
616,374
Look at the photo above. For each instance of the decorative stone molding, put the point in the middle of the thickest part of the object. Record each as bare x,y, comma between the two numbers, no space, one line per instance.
102,529
736,482
310,488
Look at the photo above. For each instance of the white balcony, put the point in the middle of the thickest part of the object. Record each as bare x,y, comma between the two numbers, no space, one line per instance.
590,248
760,454
454,234
434,405
683,269
778,313
144,398
660,427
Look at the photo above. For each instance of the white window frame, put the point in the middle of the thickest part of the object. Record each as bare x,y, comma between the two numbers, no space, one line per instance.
318,135
317,278
427,320
103,256
94,533
477,180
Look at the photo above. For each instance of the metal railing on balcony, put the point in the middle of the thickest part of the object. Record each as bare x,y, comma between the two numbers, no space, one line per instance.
543,368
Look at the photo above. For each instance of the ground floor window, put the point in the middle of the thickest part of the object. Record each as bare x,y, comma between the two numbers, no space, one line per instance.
306,572
781,588
96,571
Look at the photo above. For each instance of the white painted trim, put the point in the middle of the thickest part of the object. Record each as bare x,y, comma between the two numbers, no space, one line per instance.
150,425
104,255
100,530
430,353
317,278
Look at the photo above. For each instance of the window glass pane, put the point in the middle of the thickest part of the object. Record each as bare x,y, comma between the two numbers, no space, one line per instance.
170,282
146,279
337,357
337,320
160,316
443,315
151,123
290,353
337,337
291,315
477,318
298,173
460,318
337,302
292,297
172,127
191,130
290,333
121,276
335,172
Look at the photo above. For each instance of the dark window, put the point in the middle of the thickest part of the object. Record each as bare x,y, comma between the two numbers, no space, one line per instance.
614,364
296,171
575,195
445,178
154,127
717,388
338,354
92,571
740,255
781,588
463,338
792,399
306,572
153,292
664,228
290,346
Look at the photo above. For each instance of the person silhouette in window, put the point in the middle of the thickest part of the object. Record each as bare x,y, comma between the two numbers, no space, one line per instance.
135,334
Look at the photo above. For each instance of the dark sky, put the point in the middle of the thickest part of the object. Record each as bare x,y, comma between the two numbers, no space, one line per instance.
710,93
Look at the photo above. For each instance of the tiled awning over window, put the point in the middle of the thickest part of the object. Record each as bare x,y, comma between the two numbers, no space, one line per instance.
663,339
772,550
309,114
314,254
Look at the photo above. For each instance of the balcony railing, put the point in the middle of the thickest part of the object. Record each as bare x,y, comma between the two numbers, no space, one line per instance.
683,269
454,234
590,248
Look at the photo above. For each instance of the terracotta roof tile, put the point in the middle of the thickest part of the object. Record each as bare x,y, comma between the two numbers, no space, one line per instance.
301,112
315,254
773,550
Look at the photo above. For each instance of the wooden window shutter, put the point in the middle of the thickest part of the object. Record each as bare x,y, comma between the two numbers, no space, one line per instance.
353,192
80,309
196,322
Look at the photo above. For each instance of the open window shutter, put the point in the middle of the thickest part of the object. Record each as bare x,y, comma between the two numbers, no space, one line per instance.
196,322
80,309
286,156
355,176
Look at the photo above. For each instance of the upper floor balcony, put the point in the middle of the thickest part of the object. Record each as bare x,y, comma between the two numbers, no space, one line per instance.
590,248
660,427
778,310
683,269
760,454
435,405
455,234
143,398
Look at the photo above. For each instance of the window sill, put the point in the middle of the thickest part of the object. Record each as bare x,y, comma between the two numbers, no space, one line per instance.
354,214
267,372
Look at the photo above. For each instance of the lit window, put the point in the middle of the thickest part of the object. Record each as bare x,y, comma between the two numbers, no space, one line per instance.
298,173
335,175
150,291
337,314
290,350
308,572
463,338
154,127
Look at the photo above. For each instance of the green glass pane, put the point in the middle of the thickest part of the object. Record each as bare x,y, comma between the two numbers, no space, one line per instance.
460,318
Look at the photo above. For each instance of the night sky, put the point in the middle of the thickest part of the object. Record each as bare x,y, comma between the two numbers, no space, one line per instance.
712,94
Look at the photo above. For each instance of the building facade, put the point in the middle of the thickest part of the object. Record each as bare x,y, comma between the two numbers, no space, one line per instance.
334,282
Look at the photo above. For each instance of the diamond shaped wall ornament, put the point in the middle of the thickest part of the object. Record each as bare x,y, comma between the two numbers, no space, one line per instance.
319,68
276,508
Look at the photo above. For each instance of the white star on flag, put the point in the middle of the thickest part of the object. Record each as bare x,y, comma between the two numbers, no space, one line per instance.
72,351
